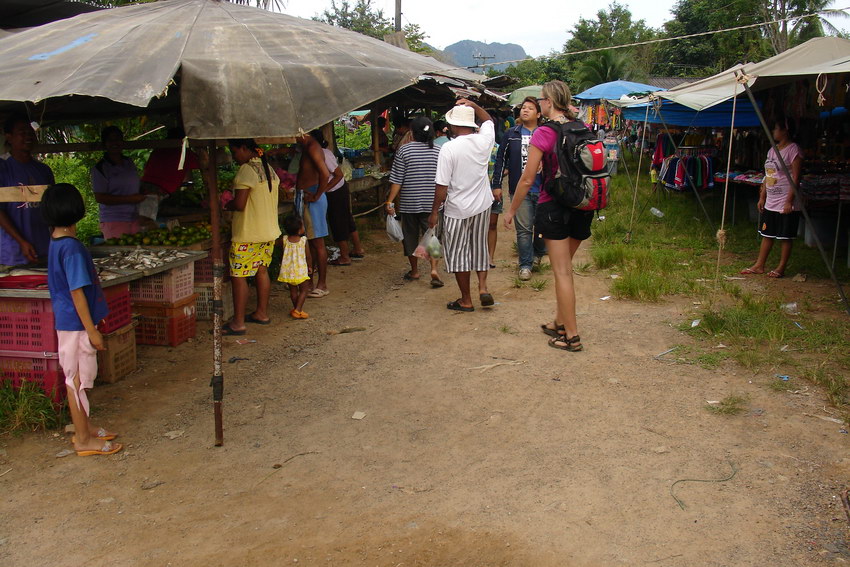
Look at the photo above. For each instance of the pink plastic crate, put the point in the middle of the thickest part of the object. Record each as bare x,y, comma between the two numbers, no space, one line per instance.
204,267
41,368
169,286
27,325
118,302
166,331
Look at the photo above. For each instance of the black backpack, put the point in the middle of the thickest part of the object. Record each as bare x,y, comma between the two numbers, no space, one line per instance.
582,178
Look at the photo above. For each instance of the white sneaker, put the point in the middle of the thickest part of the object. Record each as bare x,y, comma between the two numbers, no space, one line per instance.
525,274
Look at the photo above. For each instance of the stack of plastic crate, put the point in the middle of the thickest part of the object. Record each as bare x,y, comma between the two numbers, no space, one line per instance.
165,303
28,342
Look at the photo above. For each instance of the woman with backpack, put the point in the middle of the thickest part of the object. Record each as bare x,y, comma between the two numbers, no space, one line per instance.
563,228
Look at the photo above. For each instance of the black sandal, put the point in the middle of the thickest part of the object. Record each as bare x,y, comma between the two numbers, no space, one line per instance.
572,344
557,332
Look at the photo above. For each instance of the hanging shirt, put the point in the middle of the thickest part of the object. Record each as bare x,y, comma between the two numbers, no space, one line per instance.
776,183
26,217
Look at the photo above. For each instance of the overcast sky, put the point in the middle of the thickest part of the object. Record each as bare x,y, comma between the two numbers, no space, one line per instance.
538,31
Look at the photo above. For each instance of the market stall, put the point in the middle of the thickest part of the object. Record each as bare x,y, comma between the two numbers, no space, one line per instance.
230,71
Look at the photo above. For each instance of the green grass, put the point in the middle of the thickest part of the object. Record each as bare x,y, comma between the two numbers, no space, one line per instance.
27,409
835,384
538,284
730,405
518,283
507,329
780,385
546,267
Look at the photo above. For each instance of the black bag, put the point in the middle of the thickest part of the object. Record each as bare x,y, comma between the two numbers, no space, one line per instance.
582,178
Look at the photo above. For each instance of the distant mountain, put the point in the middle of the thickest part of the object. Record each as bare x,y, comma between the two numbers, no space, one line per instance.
463,53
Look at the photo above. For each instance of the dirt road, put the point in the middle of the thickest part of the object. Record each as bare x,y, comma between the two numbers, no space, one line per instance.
480,445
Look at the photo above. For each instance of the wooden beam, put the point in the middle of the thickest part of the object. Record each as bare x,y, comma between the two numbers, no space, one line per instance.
144,145
22,194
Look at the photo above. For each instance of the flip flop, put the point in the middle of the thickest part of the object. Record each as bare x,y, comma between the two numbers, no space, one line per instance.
456,306
229,331
318,293
356,256
410,278
749,271
337,263
437,282
109,448
486,300
775,274
102,434
251,319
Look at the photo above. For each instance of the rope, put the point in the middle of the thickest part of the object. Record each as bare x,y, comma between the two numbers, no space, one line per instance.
721,233
662,39
821,89
730,477
369,211
637,177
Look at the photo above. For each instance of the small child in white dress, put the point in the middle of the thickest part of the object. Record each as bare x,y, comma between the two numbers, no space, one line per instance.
293,265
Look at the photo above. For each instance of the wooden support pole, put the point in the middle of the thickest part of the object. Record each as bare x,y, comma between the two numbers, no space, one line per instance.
210,175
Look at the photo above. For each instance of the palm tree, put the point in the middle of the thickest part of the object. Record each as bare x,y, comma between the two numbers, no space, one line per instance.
604,67
788,33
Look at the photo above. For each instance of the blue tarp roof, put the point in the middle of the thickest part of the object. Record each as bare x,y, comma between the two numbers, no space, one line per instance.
615,89
675,114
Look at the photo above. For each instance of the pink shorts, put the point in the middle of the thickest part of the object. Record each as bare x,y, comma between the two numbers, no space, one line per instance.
78,359
117,228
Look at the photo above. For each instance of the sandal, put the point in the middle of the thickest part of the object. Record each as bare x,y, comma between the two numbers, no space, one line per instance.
775,274
436,282
486,300
456,306
356,256
228,331
253,319
318,293
749,271
572,344
557,331
338,263
108,448
410,277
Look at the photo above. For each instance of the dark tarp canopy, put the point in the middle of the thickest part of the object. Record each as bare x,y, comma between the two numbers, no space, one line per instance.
30,13
232,71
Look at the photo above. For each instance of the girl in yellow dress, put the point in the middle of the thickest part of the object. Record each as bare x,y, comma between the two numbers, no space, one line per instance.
293,265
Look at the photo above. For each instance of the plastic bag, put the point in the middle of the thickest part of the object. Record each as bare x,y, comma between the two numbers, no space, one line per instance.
429,246
394,229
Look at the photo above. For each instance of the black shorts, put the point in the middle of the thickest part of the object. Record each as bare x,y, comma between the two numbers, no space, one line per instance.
779,226
413,226
339,213
554,222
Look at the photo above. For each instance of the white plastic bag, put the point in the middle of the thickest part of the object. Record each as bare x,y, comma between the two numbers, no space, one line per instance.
394,229
429,246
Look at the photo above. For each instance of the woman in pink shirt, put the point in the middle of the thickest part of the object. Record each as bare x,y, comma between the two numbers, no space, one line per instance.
779,215
563,229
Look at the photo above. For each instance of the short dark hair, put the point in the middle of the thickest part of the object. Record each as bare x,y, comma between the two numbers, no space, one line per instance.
108,131
292,224
62,205
533,101
440,125
11,120
423,130
319,137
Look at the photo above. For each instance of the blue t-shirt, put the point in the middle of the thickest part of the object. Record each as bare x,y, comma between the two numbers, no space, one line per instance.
69,267
26,217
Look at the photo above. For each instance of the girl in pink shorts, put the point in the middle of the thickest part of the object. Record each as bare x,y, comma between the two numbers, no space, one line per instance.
78,303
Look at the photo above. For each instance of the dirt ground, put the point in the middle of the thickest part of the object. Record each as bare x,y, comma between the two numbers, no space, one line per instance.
481,446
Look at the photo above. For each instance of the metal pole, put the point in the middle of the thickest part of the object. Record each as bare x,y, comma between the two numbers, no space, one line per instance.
397,15
796,186
217,381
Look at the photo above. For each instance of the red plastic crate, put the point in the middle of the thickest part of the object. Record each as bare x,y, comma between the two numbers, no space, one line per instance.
41,368
120,312
169,286
27,325
165,331
204,267
185,306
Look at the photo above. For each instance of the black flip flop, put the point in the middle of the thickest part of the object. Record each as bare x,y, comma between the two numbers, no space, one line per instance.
409,278
437,282
486,300
228,331
456,306
251,319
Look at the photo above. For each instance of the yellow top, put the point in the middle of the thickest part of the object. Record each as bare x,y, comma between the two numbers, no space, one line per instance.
258,222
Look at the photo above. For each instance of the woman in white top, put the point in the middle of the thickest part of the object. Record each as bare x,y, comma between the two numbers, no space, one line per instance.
340,219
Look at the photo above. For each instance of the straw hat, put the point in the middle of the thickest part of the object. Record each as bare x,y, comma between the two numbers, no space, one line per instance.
461,116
